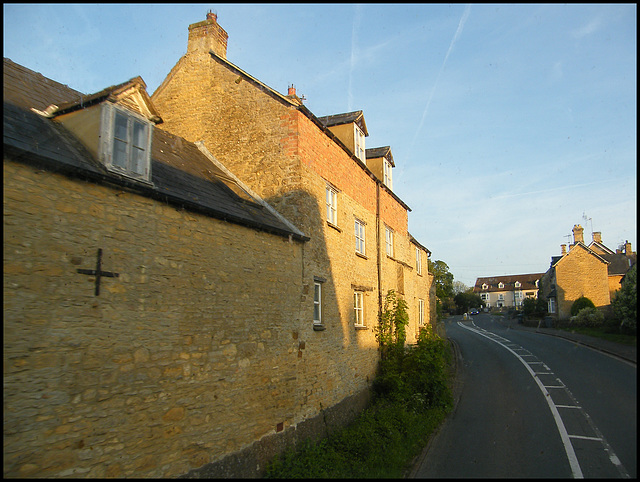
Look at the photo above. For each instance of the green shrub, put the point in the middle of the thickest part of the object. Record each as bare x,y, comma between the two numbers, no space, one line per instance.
625,302
590,317
580,303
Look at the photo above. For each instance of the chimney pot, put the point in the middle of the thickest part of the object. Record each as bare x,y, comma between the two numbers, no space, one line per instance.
578,234
563,248
292,90
206,36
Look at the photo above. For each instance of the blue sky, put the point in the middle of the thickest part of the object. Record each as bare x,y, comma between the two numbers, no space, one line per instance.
508,123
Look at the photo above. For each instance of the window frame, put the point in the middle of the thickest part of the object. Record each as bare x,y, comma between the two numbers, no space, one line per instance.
418,261
317,302
387,175
420,312
388,241
359,143
331,200
360,237
358,309
107,152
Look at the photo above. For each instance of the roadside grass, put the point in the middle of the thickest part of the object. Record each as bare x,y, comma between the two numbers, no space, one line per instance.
602,333
411,398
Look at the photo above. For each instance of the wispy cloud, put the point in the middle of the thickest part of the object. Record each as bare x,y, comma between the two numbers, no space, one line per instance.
588,29
461,23
561,188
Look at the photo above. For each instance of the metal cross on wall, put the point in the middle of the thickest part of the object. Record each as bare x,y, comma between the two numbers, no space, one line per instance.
98,273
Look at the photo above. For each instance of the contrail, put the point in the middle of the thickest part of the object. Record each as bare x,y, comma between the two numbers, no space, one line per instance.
561,188
463,19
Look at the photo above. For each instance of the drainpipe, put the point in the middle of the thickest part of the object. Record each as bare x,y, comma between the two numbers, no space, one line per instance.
379,254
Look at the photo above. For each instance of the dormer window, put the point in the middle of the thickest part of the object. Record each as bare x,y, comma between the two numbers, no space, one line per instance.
125,143
485,286
517,284
358,139
388,181
501,285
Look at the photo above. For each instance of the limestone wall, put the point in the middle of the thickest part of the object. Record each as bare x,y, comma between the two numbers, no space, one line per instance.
196,350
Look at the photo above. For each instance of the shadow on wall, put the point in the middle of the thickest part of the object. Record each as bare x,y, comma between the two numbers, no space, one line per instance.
183,364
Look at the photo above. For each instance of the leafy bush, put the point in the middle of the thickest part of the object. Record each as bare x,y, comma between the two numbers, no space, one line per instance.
625,302
590,317
391,332
534,307
580,303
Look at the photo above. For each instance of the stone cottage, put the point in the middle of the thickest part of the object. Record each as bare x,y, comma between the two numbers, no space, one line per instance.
191,279
593,271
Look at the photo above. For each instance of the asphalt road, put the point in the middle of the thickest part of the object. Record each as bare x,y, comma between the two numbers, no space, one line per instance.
532,405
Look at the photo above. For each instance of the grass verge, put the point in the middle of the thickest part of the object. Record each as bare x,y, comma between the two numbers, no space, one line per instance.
603,334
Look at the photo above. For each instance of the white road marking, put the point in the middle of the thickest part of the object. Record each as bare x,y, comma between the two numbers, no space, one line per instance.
564,436
571,455
584,437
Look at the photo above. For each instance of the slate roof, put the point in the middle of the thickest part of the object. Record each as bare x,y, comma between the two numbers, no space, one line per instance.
527,281
619,263
346,118
28,89
375,152
182,174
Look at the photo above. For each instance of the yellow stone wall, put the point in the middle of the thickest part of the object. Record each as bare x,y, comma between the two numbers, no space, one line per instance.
195,351
578,274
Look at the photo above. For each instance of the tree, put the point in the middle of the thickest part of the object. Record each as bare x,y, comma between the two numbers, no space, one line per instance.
460,287
625,302
467,300
443,280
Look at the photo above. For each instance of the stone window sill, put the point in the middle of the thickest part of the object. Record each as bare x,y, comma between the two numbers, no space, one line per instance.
319,327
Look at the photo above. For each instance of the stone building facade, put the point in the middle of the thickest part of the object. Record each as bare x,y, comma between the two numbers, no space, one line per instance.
592,271
507,291
197,312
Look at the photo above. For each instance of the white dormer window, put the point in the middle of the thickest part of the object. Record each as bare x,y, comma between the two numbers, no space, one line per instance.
517,284
485,286
501,285
125,142
358,138
388,181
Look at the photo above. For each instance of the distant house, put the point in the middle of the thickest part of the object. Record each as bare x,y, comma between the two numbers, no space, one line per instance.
507,291
593,271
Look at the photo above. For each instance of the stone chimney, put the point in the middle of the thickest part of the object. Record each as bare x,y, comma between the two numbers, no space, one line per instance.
208,35
578,234
597,237
563,249
627,249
